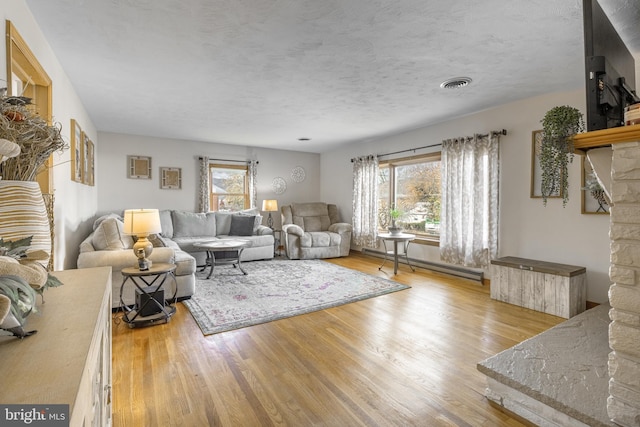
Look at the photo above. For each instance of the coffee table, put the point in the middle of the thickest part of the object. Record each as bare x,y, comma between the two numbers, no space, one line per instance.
233,247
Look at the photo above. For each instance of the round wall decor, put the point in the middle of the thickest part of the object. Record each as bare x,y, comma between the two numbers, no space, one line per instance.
298,174
279,185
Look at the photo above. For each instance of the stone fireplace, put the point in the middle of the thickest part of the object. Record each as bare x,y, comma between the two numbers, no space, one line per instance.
623,404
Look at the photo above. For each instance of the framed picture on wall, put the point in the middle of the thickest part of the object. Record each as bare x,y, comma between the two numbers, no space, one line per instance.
138,167
77,146
170,178
593,199
90,162
536,173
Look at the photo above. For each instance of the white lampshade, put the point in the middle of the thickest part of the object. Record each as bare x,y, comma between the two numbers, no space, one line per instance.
270,205
142,222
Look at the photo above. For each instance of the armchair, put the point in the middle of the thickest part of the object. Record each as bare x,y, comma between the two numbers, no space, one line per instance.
314,230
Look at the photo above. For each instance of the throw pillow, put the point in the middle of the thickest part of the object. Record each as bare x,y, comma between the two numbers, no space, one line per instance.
258,219
99,220
166,223
109,236
242,225
191,224
157,241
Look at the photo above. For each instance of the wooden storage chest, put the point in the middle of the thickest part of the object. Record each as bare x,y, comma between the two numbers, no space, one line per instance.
548,287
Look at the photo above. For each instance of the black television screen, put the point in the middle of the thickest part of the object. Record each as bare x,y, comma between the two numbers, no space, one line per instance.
609,70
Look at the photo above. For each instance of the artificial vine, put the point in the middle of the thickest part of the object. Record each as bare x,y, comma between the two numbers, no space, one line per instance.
559,125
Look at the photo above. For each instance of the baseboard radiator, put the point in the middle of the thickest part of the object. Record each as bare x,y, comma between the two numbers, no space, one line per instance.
467,273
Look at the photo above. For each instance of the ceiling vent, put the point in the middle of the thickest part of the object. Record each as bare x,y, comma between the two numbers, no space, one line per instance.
456,83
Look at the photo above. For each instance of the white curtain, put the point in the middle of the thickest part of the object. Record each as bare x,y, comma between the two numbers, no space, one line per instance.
469,216
253,183
365,201
203,185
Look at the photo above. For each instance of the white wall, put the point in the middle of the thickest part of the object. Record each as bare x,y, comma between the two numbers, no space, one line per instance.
74,202
527,228
117,192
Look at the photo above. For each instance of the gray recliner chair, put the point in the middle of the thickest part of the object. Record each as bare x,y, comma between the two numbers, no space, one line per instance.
314,230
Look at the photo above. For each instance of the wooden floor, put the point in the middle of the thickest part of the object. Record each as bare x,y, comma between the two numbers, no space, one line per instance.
402,359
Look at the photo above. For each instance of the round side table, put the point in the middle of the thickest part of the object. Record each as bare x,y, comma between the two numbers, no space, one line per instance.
149,307
405,239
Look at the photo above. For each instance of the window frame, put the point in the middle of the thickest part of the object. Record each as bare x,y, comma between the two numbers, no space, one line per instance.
213,207
425,239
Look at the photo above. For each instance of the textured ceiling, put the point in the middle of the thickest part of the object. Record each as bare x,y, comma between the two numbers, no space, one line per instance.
267,72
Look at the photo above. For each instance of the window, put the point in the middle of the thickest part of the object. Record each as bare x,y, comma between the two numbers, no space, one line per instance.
229,187
411,185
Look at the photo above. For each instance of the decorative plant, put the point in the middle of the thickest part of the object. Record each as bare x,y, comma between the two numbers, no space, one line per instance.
395,214
559,125
36,139
21,300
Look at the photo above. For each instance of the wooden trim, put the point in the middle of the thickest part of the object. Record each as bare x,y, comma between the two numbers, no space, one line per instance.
604,137
21,61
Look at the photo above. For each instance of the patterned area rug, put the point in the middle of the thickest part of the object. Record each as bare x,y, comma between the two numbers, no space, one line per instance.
277,289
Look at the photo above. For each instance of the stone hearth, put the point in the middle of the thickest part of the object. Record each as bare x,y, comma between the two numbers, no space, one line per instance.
557,378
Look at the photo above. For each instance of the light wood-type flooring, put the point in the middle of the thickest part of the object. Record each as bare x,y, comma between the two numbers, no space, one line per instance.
402,359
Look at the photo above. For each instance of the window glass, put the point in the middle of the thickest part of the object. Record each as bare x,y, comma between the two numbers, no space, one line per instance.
413,187
229,187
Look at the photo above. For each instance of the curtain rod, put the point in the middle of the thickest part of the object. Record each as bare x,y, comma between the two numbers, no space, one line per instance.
499,132
229,160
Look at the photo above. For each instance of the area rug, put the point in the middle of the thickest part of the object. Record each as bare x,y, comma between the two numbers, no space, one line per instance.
275,290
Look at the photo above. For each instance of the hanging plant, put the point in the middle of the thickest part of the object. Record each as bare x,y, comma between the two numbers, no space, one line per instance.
559,125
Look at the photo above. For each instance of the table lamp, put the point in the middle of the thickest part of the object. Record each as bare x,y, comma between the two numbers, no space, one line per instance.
270,206
142,223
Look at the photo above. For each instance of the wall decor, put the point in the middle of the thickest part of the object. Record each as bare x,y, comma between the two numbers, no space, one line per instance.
536,172
279,185
298,174
77,146
170,178
593,200
90,162
138,167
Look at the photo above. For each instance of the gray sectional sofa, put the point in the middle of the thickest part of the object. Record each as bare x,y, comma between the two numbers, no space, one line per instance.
107,245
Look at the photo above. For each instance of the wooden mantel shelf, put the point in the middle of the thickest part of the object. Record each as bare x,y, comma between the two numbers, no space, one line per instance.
604,137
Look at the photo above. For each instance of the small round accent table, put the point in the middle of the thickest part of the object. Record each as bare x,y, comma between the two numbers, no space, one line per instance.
405,239
149,307
233,249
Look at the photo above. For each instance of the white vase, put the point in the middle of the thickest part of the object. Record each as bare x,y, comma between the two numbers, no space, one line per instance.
23,214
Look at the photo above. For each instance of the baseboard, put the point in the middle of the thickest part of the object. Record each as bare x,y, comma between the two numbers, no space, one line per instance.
467,273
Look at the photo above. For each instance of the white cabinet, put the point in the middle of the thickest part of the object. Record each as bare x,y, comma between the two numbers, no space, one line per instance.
552,288
69,360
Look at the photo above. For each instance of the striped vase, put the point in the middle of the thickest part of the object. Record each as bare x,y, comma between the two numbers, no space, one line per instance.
23,214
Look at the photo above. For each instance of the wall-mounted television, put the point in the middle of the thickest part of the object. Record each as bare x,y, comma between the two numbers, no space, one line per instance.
609,70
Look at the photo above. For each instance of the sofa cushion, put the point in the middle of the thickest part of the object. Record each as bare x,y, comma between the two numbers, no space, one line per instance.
109,235
192,224
242,225
166,223
319,239
223,222
315,223
185,263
